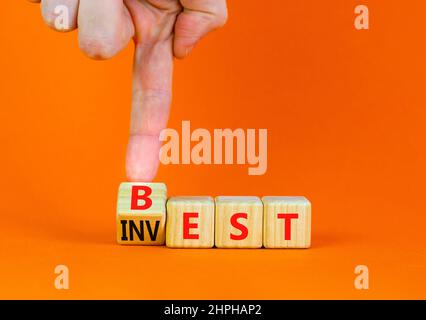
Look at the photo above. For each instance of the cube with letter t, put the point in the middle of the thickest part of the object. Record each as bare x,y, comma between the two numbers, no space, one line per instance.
141,213
238,222
287,222
190,222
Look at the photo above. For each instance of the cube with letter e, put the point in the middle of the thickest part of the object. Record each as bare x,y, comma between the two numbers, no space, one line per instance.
190,222
238,222
141,213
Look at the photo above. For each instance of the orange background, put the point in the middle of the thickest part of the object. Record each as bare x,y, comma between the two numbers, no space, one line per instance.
345,112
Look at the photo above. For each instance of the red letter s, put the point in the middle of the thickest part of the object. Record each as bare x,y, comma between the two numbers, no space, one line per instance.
239,226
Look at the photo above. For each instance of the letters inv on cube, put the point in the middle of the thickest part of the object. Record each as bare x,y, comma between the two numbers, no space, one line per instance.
146,217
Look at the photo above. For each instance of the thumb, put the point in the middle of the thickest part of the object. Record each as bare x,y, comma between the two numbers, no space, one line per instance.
197,19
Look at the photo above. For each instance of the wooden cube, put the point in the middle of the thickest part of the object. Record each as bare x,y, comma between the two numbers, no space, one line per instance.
190,222
238,222
141,213
287,222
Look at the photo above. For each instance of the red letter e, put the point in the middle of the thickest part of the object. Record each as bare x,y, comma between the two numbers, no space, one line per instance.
187,225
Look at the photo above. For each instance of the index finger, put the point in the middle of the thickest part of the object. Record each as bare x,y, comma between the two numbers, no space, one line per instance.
152,87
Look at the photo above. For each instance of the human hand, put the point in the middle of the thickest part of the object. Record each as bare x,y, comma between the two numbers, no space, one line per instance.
161,30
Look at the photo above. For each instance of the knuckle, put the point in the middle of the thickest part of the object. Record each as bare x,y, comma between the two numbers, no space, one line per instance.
97,48
48,18
55,20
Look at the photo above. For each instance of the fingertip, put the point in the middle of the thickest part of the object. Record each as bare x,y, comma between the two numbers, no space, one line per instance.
138,177
181,52
142,158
